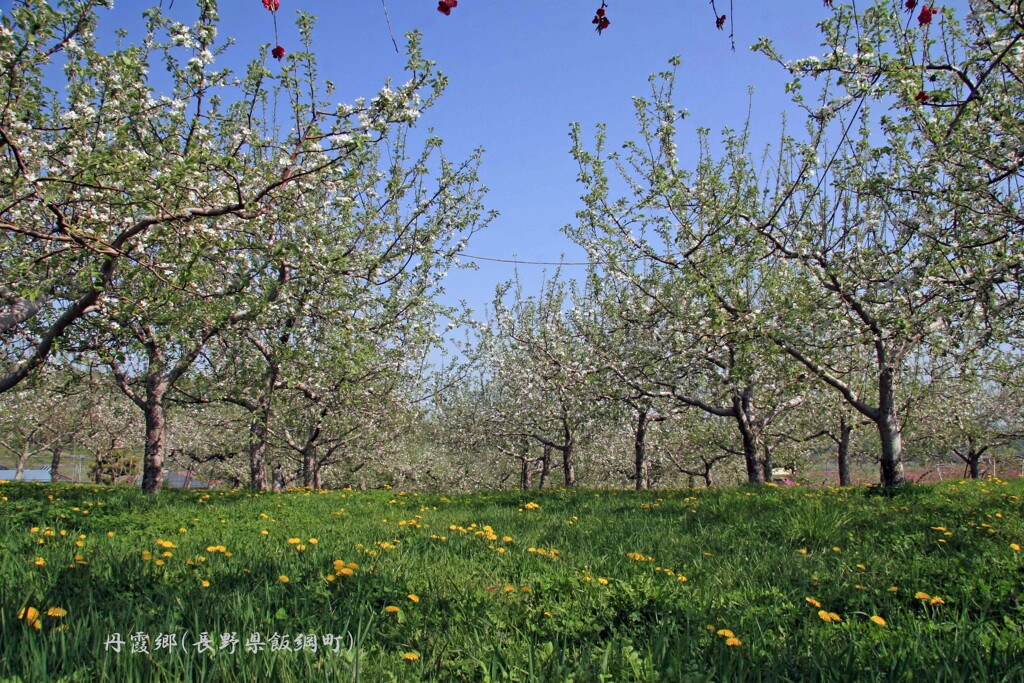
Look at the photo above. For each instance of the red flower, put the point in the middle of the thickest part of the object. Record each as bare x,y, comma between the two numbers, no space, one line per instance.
446,6
272,5
600,11
278,53
921,97
828,3
720,22
925,17
910,5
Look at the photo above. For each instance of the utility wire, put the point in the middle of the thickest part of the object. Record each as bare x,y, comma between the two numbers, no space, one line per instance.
542,263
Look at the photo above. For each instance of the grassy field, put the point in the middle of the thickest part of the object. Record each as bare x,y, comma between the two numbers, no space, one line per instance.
735,584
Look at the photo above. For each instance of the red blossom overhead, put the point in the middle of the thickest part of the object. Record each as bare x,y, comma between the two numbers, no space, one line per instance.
922,97
278,53
445,7
828,3
272,5
600,19
925,17
910,5
720,22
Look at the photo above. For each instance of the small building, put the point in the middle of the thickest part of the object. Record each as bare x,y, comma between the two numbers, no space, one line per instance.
42,476
178,480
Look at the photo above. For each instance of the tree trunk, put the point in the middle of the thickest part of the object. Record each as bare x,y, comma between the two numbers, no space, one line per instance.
741,411
308,465
317,482
258,451
569,465
55,462
526,474
766,462
545,467
845,429
892,473
156,431
642,470
19,466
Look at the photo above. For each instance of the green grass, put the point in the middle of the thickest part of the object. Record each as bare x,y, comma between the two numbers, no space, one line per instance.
588,612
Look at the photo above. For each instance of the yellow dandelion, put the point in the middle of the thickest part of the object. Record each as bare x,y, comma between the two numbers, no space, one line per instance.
264,532
391,609
828,617
56,612
921,595
204,584
509,588
30,616
294,541
410,656
40,562
813,603
733,642
346,571
936,601
725,633
283,578
312,541
835,549
682,578
1015,546
159,563
413,597
603,581
878,620
862,567
526,589
893,589
802,551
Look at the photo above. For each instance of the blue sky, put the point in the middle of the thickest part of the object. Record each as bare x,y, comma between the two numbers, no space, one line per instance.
520,72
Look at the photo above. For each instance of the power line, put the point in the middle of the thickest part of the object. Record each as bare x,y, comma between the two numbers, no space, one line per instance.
541,263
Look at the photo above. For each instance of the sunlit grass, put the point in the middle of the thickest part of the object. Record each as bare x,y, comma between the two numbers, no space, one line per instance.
797,584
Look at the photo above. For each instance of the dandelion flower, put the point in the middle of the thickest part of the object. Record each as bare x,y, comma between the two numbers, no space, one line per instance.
294,541
283,578
812,602
410,656
878,620
802,551
31,617
205,584
726,633
603,581
936,601
1015,546
733,642
391,609
40,562
893,589
828,617
413,597
921,595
